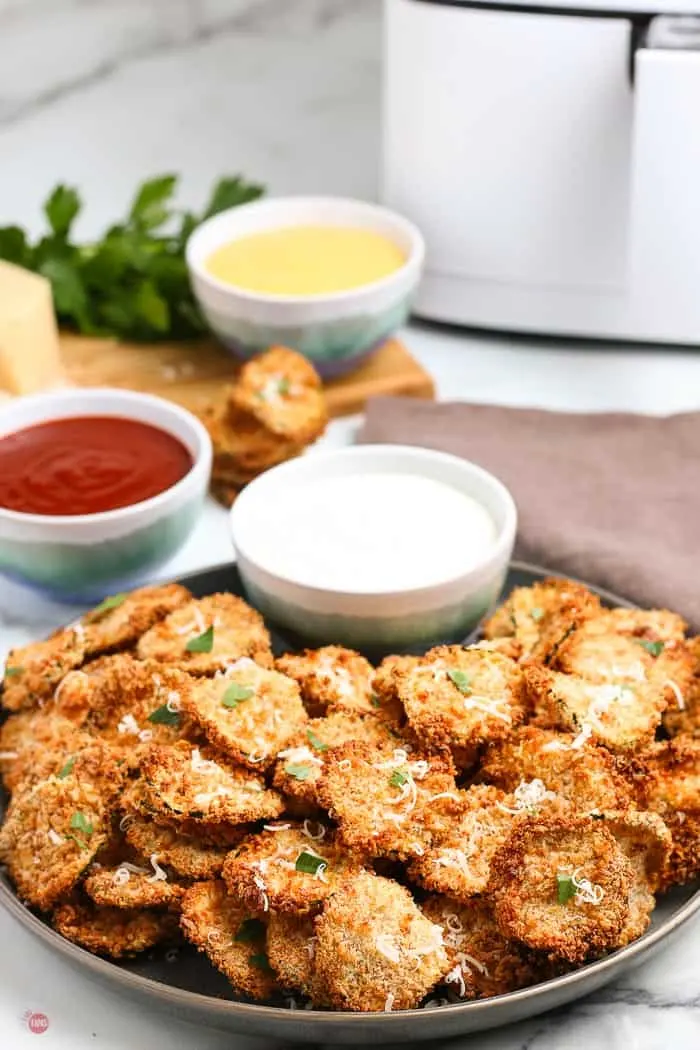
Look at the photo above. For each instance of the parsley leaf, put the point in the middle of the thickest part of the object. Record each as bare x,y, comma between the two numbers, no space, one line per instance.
316,744
235,694
461,680
565,888
309,863
653,648
133,281
398,779
12,672
297,771
67,769
79,822
283,386
375,701
163,716
105,606
203,643
536,614
250,930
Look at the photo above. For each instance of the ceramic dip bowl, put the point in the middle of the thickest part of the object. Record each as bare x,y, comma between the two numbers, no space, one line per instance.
83,557
400,568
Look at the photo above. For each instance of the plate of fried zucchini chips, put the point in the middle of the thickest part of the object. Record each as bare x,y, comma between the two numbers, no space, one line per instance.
301,844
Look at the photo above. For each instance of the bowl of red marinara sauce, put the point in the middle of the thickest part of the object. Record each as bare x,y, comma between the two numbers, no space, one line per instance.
98,487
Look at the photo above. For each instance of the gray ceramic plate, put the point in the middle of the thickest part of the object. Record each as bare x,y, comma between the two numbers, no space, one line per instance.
188,986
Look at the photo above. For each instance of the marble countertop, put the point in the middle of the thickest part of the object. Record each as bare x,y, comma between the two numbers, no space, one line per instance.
101,93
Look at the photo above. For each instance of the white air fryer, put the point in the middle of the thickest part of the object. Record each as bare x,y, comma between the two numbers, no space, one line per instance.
550,153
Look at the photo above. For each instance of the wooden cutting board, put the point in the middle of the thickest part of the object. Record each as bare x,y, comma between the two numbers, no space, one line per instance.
194,374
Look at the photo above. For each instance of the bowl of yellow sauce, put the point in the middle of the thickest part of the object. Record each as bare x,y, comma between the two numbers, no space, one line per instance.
330,277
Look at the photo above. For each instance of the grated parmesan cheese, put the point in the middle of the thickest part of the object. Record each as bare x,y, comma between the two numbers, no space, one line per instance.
677,693
300,755
54,837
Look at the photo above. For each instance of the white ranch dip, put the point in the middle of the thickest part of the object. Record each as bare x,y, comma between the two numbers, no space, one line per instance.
372,532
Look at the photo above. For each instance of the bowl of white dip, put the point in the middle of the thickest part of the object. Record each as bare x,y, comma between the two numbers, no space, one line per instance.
376,547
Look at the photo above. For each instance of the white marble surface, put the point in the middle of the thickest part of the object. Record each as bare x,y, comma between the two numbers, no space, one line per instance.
102,93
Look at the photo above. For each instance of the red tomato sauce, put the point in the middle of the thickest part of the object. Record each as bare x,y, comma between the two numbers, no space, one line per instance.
88,464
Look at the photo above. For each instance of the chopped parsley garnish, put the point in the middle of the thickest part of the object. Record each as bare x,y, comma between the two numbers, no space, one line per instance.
461,680
163,716
79,822
536,614
398,779
235,694
105,606
261,961
375,701
203,643
309,863
67,769
653,648
566,888
283,386
12,672
250,930
317,744
297,771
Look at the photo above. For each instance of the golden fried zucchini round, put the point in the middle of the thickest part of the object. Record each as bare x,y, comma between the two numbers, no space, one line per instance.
116,932
53,830
482,961
183,782
32,672
646,842
207,634
131,885
375,950
585,775
540,616
383,798
291,945
232,937
300,764
118,621
249,713
562,885
188,856
462,697
36,743
290,868
330,679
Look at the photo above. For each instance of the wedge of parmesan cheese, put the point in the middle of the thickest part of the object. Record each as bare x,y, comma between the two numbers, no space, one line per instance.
30,358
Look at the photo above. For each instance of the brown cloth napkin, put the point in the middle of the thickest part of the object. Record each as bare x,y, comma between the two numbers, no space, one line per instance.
611,498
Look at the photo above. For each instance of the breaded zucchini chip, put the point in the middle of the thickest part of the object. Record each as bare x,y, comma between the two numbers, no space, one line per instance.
188,856
462,697
482,961
53,830
584,775
280,390
683,712
331,679
562,885
231,936
652,625
120,620
33,671
36,743
291,946
385,686
540,616
375,950
667,779
206,635
384,799
249,713
300,764
130,885
622,716
182,782
646,842
291,868
465,841
116,932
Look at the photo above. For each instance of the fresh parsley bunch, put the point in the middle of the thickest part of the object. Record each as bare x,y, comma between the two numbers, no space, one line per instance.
133,282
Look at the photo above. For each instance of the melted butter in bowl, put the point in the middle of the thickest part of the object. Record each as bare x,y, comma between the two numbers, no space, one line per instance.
379,546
